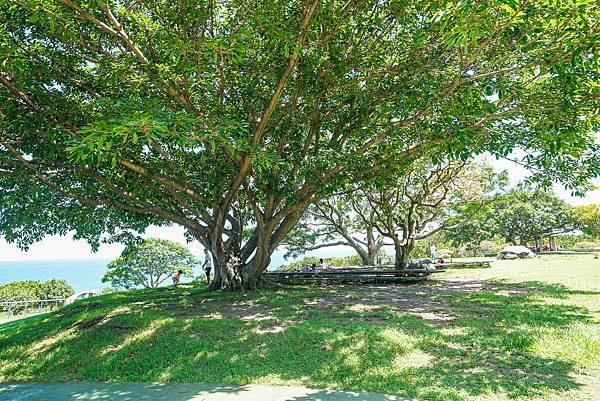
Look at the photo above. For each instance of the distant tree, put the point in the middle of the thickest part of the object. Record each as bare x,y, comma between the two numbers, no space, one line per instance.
519,216
522,216
338,220
430,199
149,264
400,209
587,219
35,290
481,227
58,289
22,291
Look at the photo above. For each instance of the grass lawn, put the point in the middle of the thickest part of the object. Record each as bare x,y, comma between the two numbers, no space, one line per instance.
526,330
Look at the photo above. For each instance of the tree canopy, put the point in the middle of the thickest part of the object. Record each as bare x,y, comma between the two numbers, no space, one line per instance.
230,118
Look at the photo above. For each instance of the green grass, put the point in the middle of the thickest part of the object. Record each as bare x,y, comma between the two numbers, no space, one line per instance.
521,330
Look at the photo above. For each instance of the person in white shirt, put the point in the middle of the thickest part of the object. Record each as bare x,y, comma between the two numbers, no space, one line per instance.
432,251
207,266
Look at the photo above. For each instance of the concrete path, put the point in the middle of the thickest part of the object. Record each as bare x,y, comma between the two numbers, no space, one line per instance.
176,392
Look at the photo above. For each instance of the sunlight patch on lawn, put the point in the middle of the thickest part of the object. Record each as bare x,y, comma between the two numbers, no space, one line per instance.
363,308
47,343
139,336
454,331
414,360
576,344
397,338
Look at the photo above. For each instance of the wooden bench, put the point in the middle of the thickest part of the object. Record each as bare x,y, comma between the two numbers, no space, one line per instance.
355,274
471,263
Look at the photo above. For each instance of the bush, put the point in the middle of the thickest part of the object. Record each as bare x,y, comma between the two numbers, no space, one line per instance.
444,253
55,289
111,289
477,250
34,290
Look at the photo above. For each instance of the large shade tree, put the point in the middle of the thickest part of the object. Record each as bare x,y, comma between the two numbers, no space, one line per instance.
230,118
429,199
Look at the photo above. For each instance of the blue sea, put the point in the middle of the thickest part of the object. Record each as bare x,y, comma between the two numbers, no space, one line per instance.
82,274
86,274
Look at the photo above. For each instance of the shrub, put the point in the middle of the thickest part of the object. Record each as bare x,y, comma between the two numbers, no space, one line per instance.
55,289
444,253
300,264
481,249
111,289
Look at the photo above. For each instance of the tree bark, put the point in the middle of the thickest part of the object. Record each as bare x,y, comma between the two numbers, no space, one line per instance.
402,250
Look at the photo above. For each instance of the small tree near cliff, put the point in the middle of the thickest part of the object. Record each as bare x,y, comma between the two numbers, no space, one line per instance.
149,264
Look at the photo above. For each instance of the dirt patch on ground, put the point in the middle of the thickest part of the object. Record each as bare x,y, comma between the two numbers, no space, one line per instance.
426,301
423,300
105,321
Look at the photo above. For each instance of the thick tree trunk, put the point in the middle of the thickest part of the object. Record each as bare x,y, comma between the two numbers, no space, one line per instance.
229,275
239,268
233,270
402,250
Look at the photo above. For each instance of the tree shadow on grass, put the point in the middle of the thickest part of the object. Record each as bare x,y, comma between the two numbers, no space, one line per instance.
488,347
177,392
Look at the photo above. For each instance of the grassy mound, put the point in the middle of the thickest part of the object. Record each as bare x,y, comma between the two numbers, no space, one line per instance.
472,337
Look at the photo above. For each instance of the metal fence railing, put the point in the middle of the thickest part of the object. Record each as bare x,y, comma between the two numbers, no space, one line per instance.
14,309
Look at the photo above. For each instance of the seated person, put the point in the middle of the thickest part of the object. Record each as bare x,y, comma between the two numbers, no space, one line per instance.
176,277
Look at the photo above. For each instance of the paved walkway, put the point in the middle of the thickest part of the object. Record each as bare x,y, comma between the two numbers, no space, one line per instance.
176,392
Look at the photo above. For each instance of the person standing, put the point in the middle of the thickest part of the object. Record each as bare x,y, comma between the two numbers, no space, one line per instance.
207,266
432,251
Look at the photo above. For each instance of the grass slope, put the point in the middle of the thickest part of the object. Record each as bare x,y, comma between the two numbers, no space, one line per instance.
525,330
